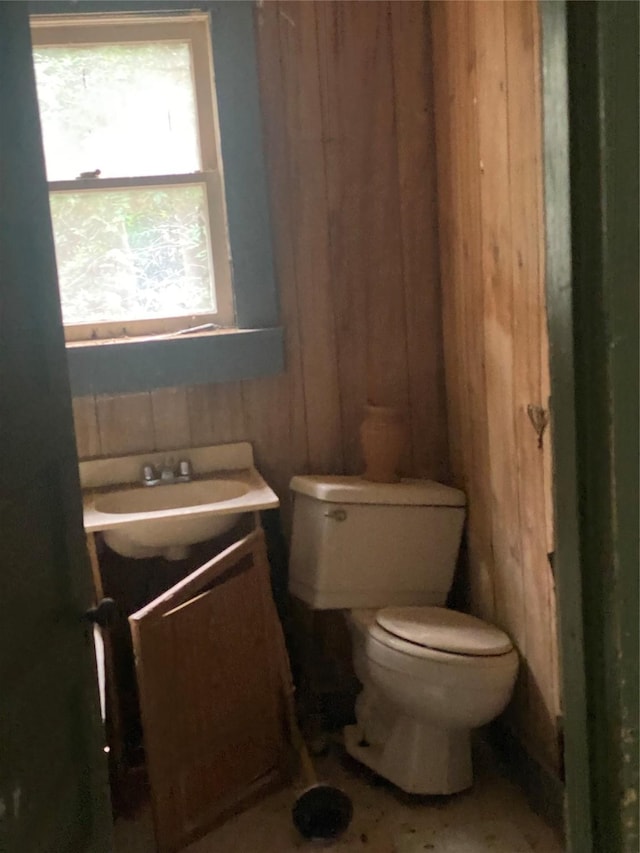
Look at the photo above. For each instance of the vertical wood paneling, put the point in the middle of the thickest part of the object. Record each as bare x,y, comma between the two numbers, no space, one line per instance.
298,48
348,124
125,424
530,357
486,67
497,249
460,236
278,144
86,427
363,208
215,414
444,56
348,292
413,97
360,247
170,418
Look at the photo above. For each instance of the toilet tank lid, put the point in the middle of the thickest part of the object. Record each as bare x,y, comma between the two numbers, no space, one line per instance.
357,490
444,630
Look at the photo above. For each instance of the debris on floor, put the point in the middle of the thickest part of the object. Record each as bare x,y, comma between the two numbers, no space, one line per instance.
493,817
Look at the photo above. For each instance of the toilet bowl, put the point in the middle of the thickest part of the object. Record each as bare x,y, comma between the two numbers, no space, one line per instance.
419,704
385,555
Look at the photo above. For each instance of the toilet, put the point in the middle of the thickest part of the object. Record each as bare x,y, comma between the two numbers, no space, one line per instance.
385,553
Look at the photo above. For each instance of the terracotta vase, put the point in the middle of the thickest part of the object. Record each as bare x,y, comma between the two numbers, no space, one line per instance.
382,435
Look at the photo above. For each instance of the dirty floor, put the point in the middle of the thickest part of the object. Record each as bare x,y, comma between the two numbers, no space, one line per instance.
492,817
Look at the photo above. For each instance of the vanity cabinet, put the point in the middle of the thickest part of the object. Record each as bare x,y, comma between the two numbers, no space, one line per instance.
209,660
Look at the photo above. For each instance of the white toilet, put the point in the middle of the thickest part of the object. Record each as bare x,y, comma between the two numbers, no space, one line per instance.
387,552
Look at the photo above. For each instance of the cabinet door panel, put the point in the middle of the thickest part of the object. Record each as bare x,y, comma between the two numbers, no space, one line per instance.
210,695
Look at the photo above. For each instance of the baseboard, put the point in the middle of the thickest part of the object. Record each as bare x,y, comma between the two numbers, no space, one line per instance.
542,788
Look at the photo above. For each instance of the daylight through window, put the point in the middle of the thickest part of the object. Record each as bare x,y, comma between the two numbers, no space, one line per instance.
137,205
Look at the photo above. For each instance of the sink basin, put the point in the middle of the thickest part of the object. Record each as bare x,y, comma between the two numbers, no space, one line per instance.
164,520
173,496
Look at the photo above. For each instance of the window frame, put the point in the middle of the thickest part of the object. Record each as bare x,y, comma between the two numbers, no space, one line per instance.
255,347
105,28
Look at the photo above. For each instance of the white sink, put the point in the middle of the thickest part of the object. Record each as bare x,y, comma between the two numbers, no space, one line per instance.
164,520
172,496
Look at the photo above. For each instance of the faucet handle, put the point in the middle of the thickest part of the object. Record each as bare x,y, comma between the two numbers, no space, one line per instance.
148,473
184,469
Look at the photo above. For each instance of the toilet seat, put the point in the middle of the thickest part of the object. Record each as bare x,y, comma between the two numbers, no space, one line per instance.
444,630
435,634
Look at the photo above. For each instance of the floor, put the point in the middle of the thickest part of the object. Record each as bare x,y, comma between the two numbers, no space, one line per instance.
492,817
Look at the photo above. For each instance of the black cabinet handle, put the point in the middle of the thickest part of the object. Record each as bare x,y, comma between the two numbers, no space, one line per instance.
103,614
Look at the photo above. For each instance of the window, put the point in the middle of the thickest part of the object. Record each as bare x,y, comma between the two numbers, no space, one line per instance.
130,135
252,345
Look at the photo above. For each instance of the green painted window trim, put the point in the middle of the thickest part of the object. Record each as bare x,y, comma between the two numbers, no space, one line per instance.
122,368
256,348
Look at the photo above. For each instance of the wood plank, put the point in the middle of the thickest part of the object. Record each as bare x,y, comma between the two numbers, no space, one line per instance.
216,415
481,519
85,422
472,298
498,313
278,157
170,418
455,88
545,392
276,412
414,114
125,424
525,153
362,193
266,413
300,97
445,117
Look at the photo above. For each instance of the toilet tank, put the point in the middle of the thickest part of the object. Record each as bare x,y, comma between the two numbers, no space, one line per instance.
356,543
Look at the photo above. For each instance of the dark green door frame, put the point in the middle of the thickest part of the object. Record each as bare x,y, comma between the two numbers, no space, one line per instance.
590,64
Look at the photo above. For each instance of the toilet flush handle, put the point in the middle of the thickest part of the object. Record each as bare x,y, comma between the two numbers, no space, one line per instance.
336,514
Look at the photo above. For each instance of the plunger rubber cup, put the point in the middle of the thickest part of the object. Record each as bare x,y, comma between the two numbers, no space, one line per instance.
322,813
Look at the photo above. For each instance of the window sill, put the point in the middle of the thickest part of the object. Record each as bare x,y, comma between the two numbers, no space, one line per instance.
143,364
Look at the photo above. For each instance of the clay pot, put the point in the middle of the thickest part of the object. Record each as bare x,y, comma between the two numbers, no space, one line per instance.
382,435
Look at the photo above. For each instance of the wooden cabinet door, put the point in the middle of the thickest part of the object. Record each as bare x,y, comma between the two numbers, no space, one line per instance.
207,655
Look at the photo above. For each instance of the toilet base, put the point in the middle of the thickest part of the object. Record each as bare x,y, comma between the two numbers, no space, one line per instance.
418,758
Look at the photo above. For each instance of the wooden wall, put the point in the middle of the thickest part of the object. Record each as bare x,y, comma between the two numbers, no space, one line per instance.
348,117
488,138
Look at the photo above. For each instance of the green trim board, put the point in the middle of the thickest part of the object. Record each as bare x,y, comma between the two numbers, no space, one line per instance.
567,555
237,88
246,196
54,788
591,99
604,100
619,29
134,365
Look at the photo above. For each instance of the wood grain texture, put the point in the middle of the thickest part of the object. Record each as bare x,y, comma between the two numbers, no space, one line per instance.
347,121
414,121
125,424
361,240
85,421
489,150
497,284
298,49
170,418
530,362
213,642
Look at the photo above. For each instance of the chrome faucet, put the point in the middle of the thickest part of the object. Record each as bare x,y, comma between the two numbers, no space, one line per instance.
167,473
